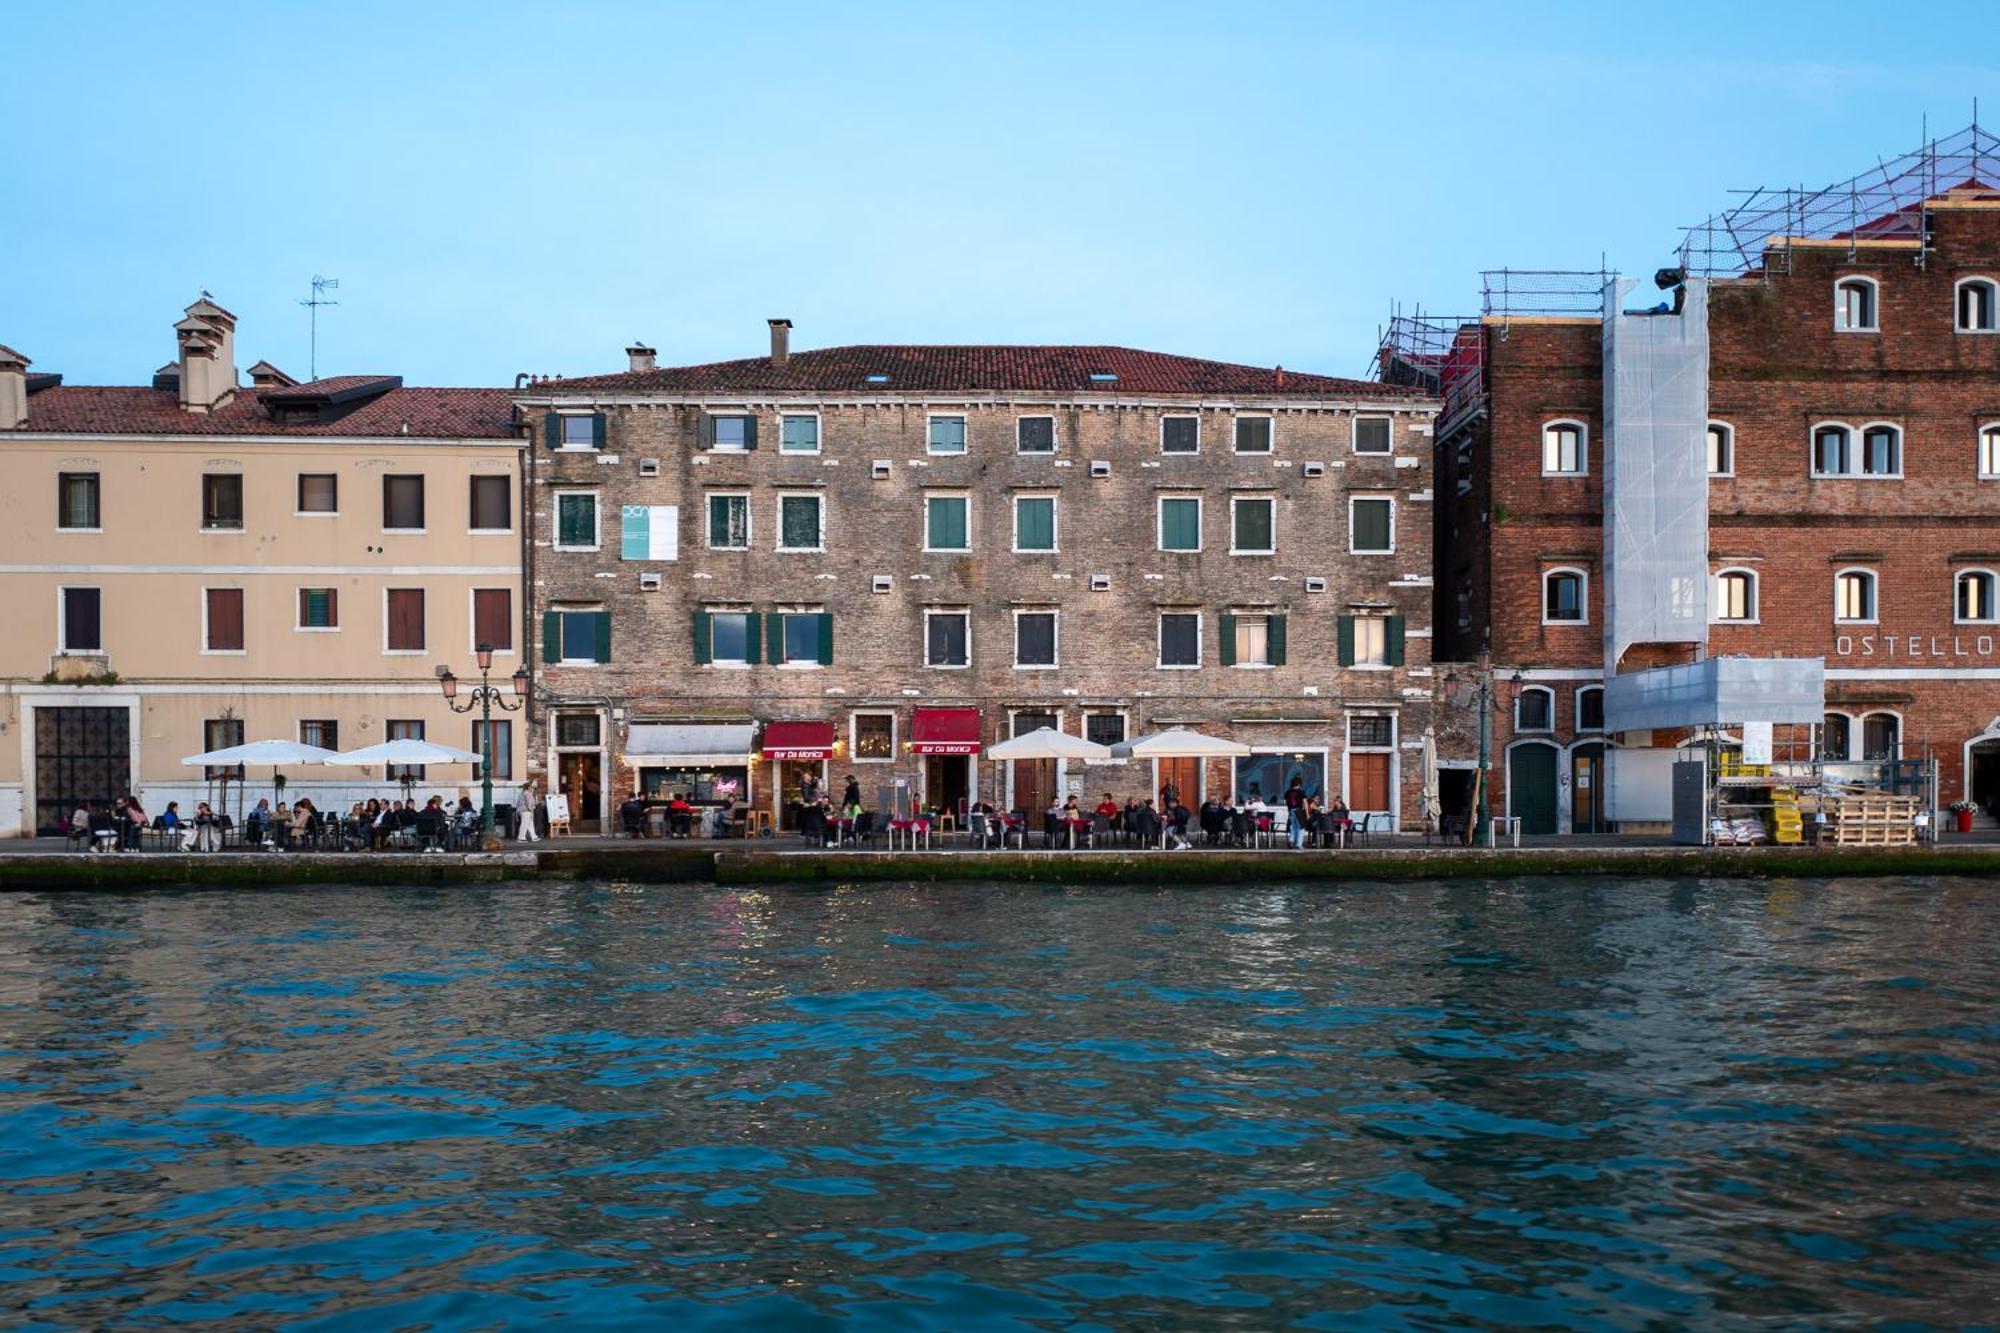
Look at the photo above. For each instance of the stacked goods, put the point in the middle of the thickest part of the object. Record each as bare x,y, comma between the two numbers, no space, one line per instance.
1872,820
1742,832
1787,828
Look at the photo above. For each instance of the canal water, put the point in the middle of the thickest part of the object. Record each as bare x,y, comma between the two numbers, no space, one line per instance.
1551,1104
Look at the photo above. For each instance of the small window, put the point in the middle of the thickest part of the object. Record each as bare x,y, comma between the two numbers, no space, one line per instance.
798,433
1372,435
493,619
1590,708
1104,728
222,620
1989,452
1535,709
1252,525
322,731
319,493
579,431
1881,451
1563,597
1180,523
1836,738
76,502
577,731
1563,449
874,737
1735,596
222,502
1371,641
1854,597
1372,526
502,753
1034,638
220,733
1180,435
947,435
1371,732
403,504
576,521
1833,451
728,522
406,620
82,621
1252,646
1180,638
1881,738
1854,305
1034,523
582,636
1977,308
799,637
947,638
493,504
1253,435
319,608
1974,597
1721,449
731,434
729,638
801,523
945,523
1035,435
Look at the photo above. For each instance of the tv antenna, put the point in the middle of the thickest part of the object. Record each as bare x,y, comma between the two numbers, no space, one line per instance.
321,286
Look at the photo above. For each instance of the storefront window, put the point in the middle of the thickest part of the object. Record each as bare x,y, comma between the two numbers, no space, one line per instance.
699,786
1270,775
874,736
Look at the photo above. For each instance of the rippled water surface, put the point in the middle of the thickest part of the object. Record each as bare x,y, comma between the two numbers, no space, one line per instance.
1531,1103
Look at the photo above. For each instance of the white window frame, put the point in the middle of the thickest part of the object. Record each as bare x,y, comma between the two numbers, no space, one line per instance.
1055,435
1084,716
964,498
562,636
507,477
1857,735
725,609
795,609
1846,756
1055,617
749,520
965,613
1988,431
298,608
778,520
563,446
1160,639
1728,446
1582,596
1522,728
1055,522
1755,598
1812,447
1160,523
854,755
1270,501
387,651
334,512
964,420
715,447
596,519
1390,500
62,621
1264,614
1992,303
1993,595
1165,417
1840,283
1372,618
1861,451
1576,710
1874,616
819,438
1269,417
1354,434
1582,468
244,651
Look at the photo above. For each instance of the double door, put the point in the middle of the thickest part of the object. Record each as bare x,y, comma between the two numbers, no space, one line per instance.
81,754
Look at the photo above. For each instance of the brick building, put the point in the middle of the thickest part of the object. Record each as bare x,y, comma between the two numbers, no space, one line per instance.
880,560
1853,488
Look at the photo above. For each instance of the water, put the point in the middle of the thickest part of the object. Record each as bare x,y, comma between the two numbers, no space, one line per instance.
1550,1104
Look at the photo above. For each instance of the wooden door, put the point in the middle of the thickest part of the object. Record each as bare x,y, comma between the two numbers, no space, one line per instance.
1368,782
582,782
1185,776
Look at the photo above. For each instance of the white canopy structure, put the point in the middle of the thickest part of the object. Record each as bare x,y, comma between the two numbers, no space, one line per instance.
1178,744
407,751
1048,743
264,754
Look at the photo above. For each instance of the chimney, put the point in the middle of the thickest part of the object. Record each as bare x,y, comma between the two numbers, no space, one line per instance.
264,375
1279,375
13,389
781,342
639,357
207,337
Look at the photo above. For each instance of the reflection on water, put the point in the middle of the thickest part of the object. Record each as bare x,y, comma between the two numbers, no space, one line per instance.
1542,1103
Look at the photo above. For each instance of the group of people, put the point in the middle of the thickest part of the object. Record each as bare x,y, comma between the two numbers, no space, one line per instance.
122,827
1219,823
371,824
821,820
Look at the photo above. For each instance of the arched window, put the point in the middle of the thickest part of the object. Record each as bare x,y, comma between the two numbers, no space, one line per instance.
1881,450
1563,597
1978,306
1881,737
1832,450
1721,449
1854,597
1836,735
1973,597
1854,305
1735,596
1989,451
1563,446
1590,708
1535,709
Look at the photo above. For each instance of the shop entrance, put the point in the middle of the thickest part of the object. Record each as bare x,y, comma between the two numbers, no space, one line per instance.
1034,779
947,781
792,775
1586,788
1983,784
1368,782
81,754
582,781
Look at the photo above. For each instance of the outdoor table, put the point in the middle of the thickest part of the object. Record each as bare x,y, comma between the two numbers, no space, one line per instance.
656,821
1342,830
1011,827
911,830
1513,823
1074,826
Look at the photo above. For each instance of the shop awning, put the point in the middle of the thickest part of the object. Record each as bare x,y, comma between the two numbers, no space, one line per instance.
945,731
690,743
798,740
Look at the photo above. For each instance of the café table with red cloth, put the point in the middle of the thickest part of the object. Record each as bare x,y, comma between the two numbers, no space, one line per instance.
910,830
1075,825
1339,828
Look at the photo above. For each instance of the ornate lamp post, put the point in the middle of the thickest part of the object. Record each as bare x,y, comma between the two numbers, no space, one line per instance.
485,696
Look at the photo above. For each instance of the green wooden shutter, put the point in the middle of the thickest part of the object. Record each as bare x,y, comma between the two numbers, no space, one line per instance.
1393,639
753,638
1277,640
704,431
552,430
702,642
552,636
749,432
1347,640
603,619
597,430
774,639
1228,624
825,638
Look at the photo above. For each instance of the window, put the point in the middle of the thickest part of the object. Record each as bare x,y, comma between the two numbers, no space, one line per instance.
1989,451
734,433
1034,523
1180,638
728,522
1371,641
1881,451
222,502
945,526
874,738
220,733
804,638
1735,596
403,504
319,608
579,430
1563,449
321,731
222,620
731,637
946,435
1034,638
1833,451
576,521
1835,738
1881,738
1371,525
579,635
1978,311
1371,731
1253,640
577,731
82,621
799,523
798,433
1104,728
405,609
1252,524
1535,709
1721,449
947,638
1590,708
1035,435
1180,435
1180,523
1854,597
493,619
76,502
319,493
1854,305
403,729
1253,435
492,504
1975,597
1372,435
502,755
1563,597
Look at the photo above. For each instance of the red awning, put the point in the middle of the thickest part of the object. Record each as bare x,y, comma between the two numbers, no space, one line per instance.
945,731
798,740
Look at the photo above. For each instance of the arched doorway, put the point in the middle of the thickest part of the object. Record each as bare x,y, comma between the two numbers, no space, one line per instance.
1982,770
1586,788
1531,785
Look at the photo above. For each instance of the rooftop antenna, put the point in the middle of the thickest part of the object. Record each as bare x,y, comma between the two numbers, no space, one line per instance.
321,286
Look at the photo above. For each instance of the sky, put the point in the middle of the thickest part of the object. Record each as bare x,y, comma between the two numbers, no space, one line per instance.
508,187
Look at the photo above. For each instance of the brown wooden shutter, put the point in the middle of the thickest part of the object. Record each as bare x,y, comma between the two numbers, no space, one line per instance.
493,618
225,620
406,620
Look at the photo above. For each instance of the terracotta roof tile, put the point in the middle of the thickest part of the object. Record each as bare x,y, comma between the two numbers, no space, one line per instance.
122,410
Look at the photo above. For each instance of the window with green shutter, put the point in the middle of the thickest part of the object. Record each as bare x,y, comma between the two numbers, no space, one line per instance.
728,522
1372,526
945,526
947,435
319,608
584,636
799,525
1035,523
1180,435
798,433
1180,523
1251,524
576,520
1253,435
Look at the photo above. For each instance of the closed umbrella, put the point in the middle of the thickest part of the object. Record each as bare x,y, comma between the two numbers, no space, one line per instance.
1433,806
1048,743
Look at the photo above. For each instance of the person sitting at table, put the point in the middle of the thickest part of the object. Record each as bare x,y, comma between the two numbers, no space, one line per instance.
168,819
431,823
304,822
1144,823
1214,821
1339,822
1240,826
1306,821
255,822
850,811
201,832
680,815
632,815
131,822
1110,809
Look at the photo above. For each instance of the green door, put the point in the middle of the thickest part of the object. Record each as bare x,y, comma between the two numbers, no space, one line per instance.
1531,787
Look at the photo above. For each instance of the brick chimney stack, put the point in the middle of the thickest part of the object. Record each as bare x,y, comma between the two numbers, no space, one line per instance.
781,342
207,337
640,357
13,389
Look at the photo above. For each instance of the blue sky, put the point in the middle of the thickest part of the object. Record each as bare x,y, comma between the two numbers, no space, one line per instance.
509,187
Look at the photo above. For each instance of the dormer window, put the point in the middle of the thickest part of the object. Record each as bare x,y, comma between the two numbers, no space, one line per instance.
1854,305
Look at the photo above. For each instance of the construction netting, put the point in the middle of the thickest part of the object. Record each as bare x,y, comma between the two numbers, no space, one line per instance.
1717,692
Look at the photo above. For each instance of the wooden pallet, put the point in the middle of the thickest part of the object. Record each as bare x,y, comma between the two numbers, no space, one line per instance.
1872,820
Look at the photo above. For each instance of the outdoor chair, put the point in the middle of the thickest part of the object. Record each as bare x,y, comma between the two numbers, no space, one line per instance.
1363,834
1100,829
103,832
1271,828
976,831
77,836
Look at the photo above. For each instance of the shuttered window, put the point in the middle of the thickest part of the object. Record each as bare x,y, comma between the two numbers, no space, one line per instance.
576,520
1253,435
947,638
1371,435
319,608
493,618
1180,435
1373,530
1180,639
224,620
945,526
406,620
799,523
1251,525
802,638
798,434
1035,523
1180,523
403,504
1035,639
946,435
319,493
492,504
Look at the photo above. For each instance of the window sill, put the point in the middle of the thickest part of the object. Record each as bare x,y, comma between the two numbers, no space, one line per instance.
940,453
1863,624
1857,476
1369,666
315,629
1390,551
1874,329
1176,550
799,550
727,666
795,453
315,513
404,532
404,652
220,532
225,652
575,449
1253,666
1374,453
801,666
1252,453
489,532
1177,666
1036,550
1037,666
1718,623
85,531
1566,476
1567,624
580,662
1722,476
576,548
1234,551
947,550
1977,333
947,666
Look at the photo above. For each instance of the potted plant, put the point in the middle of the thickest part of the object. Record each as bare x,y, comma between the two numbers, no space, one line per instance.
1963,809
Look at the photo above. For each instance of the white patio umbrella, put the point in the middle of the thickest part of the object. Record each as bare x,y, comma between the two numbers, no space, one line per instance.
408,751
272,754
1048,743
1178,744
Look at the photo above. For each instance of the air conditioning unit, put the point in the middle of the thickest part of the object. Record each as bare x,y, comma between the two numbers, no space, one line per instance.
1315,585
649,467
881,469
1100,583
1100,467
883,582
1314,469
649,583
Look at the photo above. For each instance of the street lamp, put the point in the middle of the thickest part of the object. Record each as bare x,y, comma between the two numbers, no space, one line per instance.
1482,687
485,696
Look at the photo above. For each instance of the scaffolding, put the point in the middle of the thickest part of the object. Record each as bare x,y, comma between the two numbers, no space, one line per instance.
1442,354
1545,293
1887,203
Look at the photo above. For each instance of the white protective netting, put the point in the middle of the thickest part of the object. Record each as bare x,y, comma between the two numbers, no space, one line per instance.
1717,692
